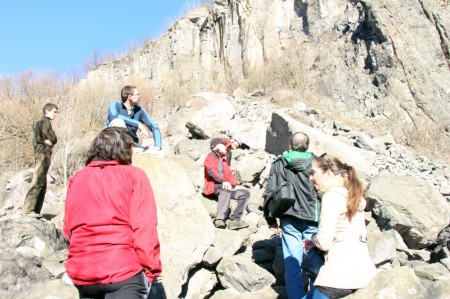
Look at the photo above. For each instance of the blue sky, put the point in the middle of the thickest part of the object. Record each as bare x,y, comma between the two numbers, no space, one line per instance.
61,35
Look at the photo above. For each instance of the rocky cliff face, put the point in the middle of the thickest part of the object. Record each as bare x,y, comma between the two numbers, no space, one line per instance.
382,64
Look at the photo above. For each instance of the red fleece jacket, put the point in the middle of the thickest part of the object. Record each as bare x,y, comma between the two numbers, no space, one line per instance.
110,221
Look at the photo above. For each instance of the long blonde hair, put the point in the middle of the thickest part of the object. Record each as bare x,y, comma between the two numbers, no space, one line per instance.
351,181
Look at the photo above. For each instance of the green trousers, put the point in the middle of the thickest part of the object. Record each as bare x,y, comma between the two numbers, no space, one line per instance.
35,196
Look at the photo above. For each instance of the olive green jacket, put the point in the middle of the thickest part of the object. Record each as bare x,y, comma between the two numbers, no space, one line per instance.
43,130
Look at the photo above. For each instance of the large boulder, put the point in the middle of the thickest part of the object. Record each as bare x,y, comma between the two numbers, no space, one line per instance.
410,206
283,126
212,119
184,227
394,283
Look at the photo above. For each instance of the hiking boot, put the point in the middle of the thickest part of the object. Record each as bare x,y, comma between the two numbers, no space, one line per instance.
32,215
219,223
237,224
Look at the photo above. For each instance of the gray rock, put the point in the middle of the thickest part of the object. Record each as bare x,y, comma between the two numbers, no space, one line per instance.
180,217
410,206
242,275
433,272
395,283
277,292
52,289
381,246
191,148
201,284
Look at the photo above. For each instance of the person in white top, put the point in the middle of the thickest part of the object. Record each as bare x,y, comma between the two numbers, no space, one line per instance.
342,230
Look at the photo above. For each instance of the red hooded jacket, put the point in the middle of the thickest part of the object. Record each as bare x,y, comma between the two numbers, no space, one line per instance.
212,175
110,221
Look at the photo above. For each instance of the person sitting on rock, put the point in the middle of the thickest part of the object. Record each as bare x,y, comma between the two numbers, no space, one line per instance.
128,114
232,144
220,180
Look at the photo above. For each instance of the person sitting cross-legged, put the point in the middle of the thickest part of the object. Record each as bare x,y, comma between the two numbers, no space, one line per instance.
220,180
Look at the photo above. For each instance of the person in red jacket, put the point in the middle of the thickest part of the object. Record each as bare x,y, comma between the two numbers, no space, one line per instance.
110,222
220,180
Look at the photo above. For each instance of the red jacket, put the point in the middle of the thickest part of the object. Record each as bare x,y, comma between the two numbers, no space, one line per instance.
212,175
110,221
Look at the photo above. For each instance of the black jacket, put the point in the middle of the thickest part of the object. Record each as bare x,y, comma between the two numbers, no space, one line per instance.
295,167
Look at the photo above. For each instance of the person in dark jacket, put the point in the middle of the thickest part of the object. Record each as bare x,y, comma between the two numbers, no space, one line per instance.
110,221
219,180
301,220
44,138
127,113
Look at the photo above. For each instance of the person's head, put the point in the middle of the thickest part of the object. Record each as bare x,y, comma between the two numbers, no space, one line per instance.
236,142
131,94
50,110
328,170
217,144
299,142
112,144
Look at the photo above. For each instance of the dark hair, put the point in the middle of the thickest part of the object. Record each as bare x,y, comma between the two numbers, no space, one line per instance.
48,107
299,142
112,144
351,181
127,91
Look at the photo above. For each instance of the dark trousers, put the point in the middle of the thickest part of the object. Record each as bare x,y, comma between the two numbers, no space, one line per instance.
224,198
34,199
136,287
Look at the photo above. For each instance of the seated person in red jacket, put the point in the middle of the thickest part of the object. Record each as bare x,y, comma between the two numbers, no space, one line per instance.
110,222
220,180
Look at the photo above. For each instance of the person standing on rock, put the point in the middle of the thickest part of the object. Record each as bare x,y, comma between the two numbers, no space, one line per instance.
44,138
220,180
301,220
127,113
342,231
110,222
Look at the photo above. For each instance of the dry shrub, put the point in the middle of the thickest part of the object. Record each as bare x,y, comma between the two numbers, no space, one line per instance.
83,108
277,74
22,98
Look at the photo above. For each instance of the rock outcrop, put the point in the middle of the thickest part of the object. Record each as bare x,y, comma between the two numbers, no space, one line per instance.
382,64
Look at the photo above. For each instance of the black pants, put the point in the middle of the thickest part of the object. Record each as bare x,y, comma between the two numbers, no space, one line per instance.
136,287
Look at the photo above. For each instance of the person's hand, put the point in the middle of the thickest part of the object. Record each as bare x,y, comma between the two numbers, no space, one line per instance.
143,130
226,186
275,228
48,142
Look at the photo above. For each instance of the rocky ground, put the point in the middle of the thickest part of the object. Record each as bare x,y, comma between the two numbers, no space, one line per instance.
407,215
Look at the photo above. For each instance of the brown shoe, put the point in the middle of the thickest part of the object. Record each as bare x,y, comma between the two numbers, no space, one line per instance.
219,223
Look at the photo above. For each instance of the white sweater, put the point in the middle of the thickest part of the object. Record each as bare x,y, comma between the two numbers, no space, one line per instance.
347,261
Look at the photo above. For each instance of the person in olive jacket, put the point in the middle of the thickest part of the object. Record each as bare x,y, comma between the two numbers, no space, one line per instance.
44,138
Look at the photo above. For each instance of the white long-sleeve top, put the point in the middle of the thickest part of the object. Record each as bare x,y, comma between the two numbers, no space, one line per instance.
347,261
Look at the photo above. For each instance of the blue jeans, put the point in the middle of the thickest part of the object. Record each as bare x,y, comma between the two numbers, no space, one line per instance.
295,230
315,294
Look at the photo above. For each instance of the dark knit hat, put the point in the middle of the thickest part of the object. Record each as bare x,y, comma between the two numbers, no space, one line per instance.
217,140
